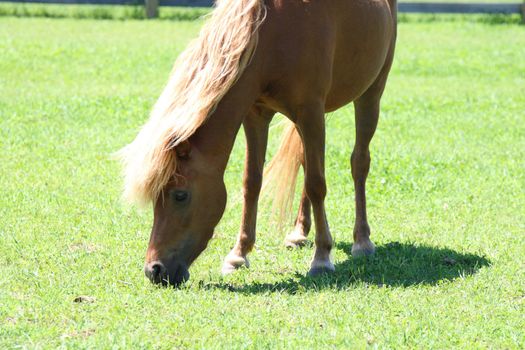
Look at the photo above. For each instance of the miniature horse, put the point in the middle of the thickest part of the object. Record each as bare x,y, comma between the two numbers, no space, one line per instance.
252,59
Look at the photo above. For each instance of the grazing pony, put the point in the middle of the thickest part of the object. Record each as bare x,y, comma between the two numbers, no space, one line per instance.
253,58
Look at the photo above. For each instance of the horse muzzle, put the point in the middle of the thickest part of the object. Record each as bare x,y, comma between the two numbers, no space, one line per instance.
174,273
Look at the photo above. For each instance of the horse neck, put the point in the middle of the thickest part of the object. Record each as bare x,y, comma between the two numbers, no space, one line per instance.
215,138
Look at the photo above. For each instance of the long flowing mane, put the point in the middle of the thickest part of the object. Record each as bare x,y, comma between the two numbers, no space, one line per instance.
201,76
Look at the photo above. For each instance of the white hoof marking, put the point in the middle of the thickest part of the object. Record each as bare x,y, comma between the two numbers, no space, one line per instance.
233,262
295,239
363,249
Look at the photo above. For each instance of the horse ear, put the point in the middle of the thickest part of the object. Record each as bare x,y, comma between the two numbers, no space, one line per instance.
183,150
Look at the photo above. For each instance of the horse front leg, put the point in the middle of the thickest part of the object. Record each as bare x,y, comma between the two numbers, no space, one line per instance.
256,130
311,126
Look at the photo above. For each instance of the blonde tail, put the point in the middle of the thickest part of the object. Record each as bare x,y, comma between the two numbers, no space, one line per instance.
280,174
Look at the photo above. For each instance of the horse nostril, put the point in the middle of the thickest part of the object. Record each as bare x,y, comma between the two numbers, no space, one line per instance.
156,272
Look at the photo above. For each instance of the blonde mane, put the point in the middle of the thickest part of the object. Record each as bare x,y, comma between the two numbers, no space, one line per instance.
201,76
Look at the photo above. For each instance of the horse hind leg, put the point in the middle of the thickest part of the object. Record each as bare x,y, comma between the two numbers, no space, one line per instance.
299,235
366,117
280,175
256,129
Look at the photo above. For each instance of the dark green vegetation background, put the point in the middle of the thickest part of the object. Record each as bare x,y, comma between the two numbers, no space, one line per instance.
446,202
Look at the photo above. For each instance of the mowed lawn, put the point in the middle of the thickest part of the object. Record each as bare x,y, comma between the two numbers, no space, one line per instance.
445,194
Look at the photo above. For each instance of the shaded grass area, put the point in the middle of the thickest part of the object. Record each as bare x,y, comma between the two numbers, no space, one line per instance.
445,195
393,264
117,12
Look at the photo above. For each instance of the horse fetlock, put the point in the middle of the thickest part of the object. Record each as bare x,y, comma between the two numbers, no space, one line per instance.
233,262
363,248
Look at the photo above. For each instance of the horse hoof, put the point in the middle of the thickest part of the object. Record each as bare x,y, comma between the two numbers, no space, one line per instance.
233,262
362,249
321,268
295,240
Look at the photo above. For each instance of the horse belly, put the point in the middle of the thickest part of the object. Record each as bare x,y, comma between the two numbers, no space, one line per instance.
363,39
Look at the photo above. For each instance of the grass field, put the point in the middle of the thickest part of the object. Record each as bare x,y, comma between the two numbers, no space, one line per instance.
446,203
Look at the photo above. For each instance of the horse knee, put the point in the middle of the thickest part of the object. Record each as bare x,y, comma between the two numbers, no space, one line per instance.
360,161
252,186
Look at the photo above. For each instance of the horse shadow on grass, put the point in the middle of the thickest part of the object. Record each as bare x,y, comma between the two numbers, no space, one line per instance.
394,264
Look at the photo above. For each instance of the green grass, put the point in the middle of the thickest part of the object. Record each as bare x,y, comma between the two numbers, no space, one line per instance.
119,12
446,203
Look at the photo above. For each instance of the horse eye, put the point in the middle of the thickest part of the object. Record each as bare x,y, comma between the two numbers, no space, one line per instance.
180,196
